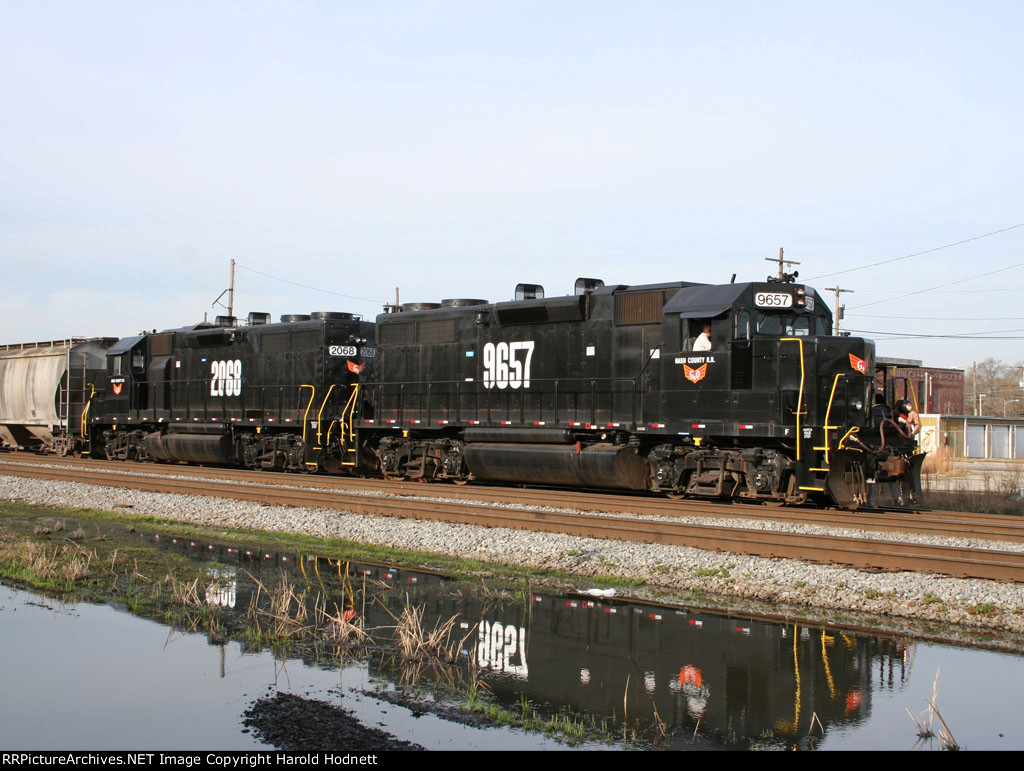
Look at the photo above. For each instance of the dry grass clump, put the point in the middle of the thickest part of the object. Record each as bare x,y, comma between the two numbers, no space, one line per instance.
61,564
281,608
415,641
338,627
924,721
183,593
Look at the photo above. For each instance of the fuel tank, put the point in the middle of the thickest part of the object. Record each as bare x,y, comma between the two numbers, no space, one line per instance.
596,465
192,448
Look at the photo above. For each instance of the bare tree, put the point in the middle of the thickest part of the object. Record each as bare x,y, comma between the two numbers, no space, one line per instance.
993,387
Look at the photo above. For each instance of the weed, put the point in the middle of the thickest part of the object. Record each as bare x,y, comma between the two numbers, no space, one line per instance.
339,626
416,642
924,720
184,593
982,609
712,572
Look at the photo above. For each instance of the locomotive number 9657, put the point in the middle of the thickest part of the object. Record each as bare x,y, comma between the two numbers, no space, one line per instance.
507,365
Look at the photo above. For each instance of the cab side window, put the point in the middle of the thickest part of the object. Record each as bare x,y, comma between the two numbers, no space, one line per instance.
743,325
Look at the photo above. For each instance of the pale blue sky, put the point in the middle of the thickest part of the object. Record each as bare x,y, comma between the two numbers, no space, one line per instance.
456,148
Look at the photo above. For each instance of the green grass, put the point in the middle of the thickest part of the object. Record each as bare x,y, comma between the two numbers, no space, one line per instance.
563,727
712,572
982,609
334,548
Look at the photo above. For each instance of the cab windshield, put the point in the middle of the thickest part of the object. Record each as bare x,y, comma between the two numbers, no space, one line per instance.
790,325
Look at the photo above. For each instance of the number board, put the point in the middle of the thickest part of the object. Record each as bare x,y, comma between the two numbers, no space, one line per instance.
773,300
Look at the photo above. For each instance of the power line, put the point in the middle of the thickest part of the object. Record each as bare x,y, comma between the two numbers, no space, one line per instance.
917,254
941,318
940,286
313,288
993,335
958,291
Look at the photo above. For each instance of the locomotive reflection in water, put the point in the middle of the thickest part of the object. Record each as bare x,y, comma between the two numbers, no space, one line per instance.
740,680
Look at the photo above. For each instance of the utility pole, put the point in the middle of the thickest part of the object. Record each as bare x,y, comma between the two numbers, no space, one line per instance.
838,312
231,292
781,262
974,387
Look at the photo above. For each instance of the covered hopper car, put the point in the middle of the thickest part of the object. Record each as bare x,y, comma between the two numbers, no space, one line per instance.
45,390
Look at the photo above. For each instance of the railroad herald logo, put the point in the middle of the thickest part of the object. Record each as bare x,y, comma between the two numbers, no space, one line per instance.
117,388
695,374
859,364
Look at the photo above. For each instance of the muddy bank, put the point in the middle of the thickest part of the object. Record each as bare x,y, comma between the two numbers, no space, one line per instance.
293,723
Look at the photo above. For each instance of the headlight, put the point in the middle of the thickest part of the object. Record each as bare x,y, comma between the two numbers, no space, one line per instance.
856,405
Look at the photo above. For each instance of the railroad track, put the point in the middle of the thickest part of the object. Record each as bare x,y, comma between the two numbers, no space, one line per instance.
957,524
295,490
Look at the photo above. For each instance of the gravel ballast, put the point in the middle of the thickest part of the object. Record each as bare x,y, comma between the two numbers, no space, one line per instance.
783,587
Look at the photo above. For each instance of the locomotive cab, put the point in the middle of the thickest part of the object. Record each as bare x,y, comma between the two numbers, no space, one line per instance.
126,374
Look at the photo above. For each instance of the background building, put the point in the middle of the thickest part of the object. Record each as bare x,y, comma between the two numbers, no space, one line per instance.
938,390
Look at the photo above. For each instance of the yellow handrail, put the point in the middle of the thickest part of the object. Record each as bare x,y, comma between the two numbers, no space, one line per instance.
854,430
828,412
350,407
319,415
85,412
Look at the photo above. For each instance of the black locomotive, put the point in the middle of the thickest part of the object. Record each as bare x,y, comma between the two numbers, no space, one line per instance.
607,388
731,391
267,396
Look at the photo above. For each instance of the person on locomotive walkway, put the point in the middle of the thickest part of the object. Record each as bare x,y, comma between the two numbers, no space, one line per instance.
908,418
703,341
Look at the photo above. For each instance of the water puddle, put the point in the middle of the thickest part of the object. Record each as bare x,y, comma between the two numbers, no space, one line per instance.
558,670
